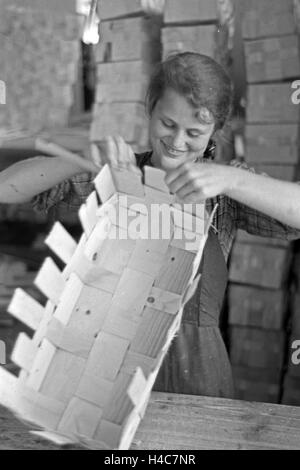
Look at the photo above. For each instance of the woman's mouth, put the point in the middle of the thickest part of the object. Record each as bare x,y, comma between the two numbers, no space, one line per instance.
171,152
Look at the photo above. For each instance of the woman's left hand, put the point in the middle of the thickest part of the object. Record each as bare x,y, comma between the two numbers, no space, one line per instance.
195,182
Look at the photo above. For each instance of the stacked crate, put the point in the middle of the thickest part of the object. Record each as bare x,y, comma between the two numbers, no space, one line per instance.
291,383
257,295
258,310
203,26
271,47
39,54
129,47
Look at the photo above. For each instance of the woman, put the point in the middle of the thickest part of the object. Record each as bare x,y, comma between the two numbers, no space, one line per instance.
189,100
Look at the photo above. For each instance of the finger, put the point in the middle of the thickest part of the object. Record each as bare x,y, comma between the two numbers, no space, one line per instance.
179,182
108,151
96,155
173,174
112,151
123,152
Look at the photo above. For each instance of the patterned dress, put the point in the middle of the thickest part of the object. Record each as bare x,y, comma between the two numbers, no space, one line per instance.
197,362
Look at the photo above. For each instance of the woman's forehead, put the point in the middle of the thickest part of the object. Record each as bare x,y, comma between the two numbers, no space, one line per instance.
179,109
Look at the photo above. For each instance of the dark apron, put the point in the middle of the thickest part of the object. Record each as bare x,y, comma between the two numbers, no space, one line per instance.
197,362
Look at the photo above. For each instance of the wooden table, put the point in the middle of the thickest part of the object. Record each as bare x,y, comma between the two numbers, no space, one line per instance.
182,422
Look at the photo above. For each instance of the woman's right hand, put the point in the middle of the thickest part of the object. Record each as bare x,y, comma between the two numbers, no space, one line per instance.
114,151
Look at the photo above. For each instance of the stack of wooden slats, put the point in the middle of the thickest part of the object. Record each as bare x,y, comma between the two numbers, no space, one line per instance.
40,51
258,296
129,47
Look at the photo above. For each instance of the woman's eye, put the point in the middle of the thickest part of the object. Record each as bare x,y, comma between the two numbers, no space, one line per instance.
193,134
167,123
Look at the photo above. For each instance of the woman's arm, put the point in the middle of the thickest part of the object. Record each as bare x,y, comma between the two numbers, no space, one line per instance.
278,199
20,182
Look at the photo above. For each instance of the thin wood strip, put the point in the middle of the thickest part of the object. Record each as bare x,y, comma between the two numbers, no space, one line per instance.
26,309
61,242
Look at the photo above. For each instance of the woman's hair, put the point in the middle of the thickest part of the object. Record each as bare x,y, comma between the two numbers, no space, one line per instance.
200,79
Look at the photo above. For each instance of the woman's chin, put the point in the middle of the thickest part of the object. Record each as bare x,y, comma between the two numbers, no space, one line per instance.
168,163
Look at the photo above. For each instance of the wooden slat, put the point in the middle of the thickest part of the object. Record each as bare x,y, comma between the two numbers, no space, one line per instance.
41,330
133,290
61,242
50,281
63,376
41,365
80,418
26,309
106,356
121,323
94,389
152,332
105,184
163,300
109,433
38,408
68,299
137,387
120,404
96,239
87,213
24,352
176,271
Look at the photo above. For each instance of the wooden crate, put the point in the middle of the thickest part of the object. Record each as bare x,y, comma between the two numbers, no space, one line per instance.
259,265
122,81
291,391
272,59
257,374
118,8
272,143
264,18
261,308
271,103
194,11
252,347
256,391
200,39
129,39
113,119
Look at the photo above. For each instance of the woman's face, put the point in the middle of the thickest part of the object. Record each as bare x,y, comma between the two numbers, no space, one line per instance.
177,135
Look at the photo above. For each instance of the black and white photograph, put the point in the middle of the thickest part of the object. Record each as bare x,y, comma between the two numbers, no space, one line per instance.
149,227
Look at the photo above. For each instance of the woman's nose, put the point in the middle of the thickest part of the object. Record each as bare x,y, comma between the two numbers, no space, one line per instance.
178,140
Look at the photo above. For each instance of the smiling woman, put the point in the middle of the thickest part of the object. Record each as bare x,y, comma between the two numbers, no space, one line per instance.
188,101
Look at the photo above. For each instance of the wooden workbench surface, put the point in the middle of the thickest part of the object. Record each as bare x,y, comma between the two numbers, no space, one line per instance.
182,422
